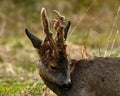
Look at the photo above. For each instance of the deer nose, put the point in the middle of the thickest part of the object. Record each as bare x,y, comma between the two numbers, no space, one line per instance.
67,85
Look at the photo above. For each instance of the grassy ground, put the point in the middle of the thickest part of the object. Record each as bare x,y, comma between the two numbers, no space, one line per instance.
18,69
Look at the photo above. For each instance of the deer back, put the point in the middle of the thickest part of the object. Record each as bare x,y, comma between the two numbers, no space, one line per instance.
96,77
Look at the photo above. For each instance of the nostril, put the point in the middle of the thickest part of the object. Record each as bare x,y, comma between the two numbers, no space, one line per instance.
67,86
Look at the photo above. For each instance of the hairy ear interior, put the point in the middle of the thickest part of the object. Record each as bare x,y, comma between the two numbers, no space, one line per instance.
36,42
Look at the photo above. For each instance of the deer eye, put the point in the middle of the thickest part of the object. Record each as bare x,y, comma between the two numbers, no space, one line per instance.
54,68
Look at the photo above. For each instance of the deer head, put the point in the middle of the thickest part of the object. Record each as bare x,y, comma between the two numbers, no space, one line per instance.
53,64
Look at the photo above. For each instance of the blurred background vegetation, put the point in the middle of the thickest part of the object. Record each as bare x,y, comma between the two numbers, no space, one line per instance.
95,23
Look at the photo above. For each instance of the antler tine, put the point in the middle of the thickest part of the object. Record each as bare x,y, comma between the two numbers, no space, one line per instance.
60,37
58,14
60,19
45,21
48,33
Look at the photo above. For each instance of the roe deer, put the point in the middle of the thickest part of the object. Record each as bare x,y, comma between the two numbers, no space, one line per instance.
89,77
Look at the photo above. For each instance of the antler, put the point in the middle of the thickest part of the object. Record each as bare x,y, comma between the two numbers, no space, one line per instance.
48,33
57,45
51,47
62,31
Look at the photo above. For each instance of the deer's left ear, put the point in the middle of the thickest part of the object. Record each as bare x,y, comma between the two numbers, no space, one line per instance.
35,41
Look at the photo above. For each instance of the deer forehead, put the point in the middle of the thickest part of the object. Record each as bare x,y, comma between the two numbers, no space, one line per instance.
59,63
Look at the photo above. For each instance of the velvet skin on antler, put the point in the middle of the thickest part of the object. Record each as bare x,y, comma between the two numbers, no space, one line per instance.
62,31
52,47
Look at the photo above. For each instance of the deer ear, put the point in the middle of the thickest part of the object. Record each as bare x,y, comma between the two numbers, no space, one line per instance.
66,29
35,41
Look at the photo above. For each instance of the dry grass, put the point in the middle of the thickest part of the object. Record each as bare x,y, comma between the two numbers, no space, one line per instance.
93,24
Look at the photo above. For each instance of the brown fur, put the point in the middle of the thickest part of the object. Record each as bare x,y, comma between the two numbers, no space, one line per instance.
93,77
87,77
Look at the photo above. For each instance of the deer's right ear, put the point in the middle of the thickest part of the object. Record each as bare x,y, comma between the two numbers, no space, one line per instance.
35,41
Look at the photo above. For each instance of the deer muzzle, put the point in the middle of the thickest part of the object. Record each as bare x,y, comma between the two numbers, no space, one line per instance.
67,85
